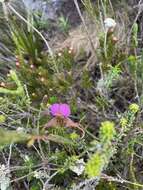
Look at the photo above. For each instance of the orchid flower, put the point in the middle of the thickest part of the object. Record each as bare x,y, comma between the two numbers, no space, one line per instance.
61,113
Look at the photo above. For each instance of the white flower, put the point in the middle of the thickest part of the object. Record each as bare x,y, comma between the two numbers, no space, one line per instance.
79,167
109,23
20,130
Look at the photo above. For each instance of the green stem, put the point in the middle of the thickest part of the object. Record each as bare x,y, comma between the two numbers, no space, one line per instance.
105,44
132,172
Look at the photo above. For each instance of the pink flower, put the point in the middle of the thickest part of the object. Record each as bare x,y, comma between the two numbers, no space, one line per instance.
60,110
61,113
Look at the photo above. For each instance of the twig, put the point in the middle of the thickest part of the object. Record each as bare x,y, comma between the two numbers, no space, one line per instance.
10,152
87,183
119,180
49,179
20,178
138,6
37,151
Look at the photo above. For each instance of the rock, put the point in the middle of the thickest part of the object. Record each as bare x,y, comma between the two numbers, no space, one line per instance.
52,9
47,9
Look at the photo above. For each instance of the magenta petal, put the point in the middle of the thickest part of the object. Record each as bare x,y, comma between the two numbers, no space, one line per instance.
55,109
65,110
60,109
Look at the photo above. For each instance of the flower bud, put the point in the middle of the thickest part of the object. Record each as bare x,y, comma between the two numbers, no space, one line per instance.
134,108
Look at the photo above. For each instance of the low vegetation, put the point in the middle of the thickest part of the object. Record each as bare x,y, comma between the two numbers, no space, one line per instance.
71,103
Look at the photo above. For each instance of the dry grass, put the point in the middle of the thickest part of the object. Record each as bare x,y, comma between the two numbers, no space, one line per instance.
80,44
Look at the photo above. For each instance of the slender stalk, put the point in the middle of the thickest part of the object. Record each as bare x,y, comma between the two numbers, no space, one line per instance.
30,25
37,31
105,43
120,180
104,8
132,172
84,24
49,179
5,11
9,157
110,3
